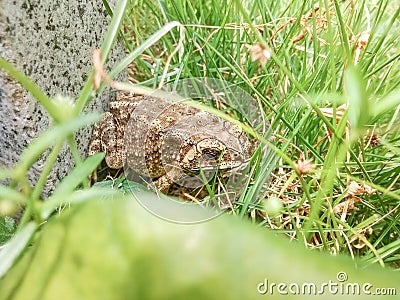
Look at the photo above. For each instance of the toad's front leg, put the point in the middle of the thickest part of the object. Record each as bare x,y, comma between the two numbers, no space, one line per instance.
164,182
106,137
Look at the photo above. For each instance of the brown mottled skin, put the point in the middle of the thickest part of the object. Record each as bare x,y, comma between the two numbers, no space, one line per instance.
166,140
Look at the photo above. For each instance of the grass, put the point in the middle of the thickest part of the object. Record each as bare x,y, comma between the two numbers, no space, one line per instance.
333,180
343,52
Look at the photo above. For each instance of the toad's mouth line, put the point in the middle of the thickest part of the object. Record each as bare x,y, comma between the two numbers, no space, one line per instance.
214,168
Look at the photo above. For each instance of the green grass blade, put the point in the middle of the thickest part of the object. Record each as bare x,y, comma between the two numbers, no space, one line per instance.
78,175
7,193
14,247
58,132
143,47
32,88
359,111
76,197
388,103
109,39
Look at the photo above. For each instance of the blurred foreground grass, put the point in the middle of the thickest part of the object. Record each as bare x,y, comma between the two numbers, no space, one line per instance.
114,249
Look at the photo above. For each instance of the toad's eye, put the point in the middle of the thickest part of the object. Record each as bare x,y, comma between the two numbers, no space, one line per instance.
210,154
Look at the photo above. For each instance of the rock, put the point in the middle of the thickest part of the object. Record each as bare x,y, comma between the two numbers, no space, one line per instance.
52,43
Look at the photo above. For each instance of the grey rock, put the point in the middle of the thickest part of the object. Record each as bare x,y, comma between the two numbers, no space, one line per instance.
52,43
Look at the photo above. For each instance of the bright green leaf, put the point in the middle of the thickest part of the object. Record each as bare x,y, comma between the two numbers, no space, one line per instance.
117,250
